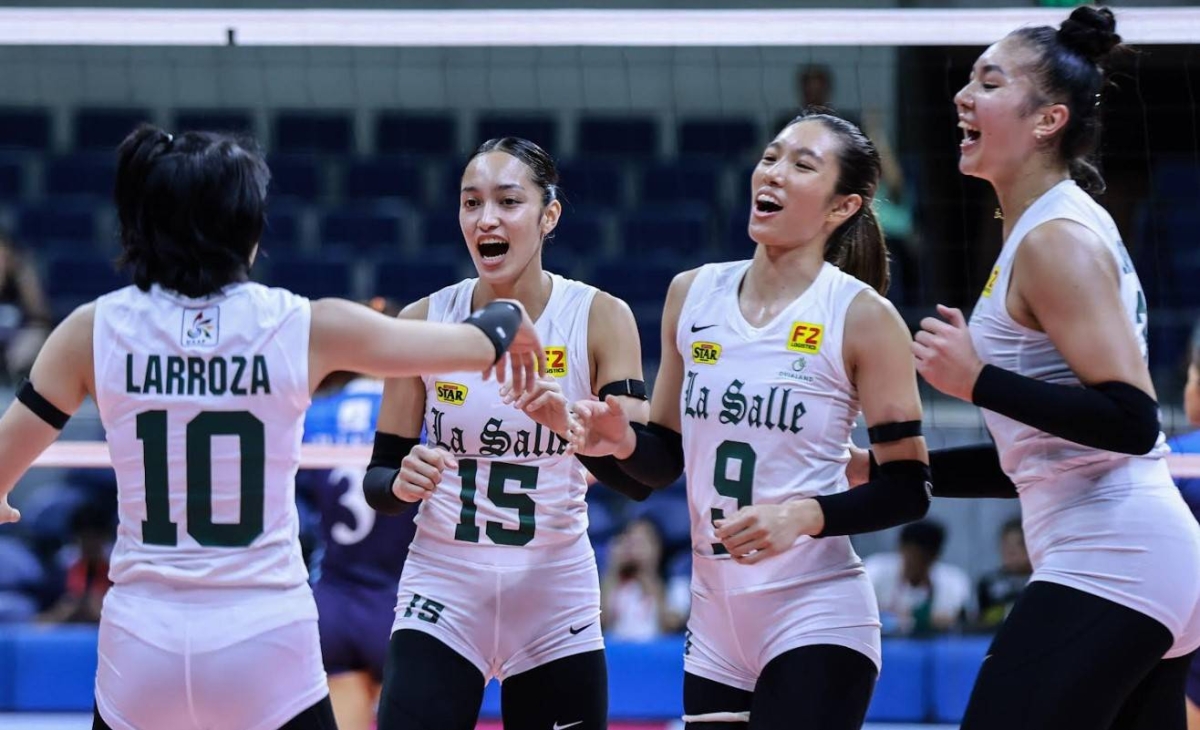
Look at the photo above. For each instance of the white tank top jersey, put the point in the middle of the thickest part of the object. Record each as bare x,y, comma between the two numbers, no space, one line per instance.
1109,524
766,413
203,403
514,486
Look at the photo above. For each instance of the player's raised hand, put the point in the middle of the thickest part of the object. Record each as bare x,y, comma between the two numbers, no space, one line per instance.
601,428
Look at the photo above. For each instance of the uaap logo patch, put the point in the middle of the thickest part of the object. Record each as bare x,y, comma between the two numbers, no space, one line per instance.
451,393
200,327
705,353
556,361
806,337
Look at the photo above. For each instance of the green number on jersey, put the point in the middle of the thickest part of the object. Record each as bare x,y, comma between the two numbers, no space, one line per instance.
740,488
157,528
502,473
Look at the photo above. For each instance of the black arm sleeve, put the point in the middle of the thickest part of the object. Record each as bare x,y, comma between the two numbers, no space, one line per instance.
656,462
900,493
609,472
1113,416
386,457
970,472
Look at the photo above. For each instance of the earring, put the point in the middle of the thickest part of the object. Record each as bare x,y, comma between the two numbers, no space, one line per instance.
998,215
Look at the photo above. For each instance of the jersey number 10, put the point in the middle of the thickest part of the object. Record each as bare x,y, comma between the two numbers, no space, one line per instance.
157,528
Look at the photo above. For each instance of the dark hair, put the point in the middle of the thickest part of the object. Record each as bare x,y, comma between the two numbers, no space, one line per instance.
540,163
191,208
857,247
1070,70
929,535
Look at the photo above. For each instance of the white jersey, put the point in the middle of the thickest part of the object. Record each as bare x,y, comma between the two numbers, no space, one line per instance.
767,411
514,486
1109,524
203,403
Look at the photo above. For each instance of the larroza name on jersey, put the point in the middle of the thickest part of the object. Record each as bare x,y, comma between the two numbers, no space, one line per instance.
705,353
451,393
556,361
806,337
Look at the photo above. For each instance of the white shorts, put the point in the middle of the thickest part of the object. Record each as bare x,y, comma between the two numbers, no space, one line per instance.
735,629
504,619
210,671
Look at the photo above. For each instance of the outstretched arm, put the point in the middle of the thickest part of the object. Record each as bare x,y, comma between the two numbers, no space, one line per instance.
62,377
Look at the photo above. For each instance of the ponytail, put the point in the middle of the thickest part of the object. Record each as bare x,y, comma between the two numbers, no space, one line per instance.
858,248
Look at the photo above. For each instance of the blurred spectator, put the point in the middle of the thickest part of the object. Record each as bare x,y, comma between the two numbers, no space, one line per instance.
893,201
86,563
24,315
633,594
917,593
1190,487
997,591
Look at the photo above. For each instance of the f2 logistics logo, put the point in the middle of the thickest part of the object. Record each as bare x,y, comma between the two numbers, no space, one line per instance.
705,353
806,337
451,393
556,361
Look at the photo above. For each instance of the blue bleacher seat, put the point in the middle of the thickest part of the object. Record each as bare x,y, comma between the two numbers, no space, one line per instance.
649,324
1176,178
440,229
687,181
78,278
53,221
735,238
362,228
718,136
409,280
298,177
416,133
326,276
620,136
323,132
539,128
12,179
283,231
86,173
103,129
24,128
214,120
643,287
384,177
581,231
591,183
666,231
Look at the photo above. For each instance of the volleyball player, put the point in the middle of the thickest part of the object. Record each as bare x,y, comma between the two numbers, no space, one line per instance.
501,580
1055,354
765,366
201,379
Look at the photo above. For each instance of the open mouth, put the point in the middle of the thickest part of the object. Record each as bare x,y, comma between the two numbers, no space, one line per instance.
492,250
971,135
765,204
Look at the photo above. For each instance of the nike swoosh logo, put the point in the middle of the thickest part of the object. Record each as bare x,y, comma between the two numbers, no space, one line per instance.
570,724
574,631
698,329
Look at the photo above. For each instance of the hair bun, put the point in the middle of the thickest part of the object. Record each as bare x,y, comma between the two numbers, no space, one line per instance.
1091,32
